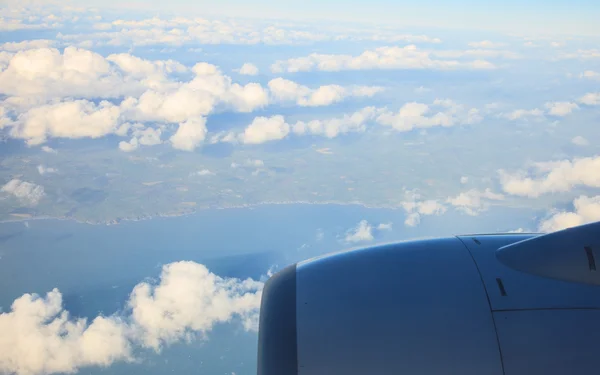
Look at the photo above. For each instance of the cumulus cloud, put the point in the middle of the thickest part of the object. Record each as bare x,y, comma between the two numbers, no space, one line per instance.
189,134
203,172
42,170
264,129
415,208
188,300
408,57
561,108
524,113
35,76
208,89
474,201
254,163
248,69
128,146
75,119
49,150
27,193
363,232
552,177
331,128
410,116
385,226
419,115
46,72
585,210
40,337
592,98
140,136
285,90
580,141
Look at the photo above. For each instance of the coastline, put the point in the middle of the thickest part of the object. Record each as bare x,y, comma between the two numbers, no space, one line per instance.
120,220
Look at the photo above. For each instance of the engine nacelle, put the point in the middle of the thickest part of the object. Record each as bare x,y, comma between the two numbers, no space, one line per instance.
442,306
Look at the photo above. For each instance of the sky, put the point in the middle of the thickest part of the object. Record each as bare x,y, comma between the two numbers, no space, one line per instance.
444,112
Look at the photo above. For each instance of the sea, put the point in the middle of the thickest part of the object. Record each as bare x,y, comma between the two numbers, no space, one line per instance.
96,266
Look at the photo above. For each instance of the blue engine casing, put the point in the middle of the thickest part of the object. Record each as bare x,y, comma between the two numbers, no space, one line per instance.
442,306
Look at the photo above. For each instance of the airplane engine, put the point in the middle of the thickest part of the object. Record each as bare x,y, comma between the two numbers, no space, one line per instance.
511,304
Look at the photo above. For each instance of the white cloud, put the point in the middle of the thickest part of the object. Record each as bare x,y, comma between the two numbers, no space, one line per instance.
586,210
27,193
413,219
518,230
363,232
190,300
408,57
40,337
129,146
49,150
146,69
590,74
248,69
26,44
487,44
140,136
285,90
580,141
474,201
523,113
415,208
48,73
35,76
552,177
189,134
208,89
45,170
202,172
76,119
414,115
592,98
561,108
331,128
385,226
464,180
264,129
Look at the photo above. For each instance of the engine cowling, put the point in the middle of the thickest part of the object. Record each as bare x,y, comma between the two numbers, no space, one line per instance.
442,306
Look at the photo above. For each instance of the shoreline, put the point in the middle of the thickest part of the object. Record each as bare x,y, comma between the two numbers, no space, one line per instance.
118,221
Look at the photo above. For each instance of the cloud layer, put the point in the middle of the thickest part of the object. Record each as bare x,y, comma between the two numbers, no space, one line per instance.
408,57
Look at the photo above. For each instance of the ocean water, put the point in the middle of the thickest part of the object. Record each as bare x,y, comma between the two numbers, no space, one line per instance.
96,266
